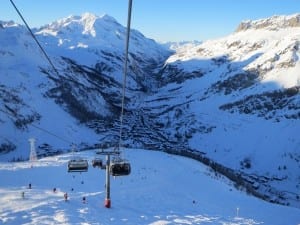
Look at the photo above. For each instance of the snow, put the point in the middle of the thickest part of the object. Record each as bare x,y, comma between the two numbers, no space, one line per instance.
262,48
151,195
272,52
91,31
164,189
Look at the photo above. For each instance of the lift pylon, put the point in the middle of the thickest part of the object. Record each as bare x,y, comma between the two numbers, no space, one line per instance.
32,156
107,202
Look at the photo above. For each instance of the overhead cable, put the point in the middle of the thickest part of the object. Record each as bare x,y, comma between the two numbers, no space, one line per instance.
39,128
34,37
125,70
50,62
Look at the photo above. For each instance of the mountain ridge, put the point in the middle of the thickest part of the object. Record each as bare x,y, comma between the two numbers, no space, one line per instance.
271,23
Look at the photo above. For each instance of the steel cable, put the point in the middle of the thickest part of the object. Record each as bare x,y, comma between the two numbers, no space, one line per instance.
125,71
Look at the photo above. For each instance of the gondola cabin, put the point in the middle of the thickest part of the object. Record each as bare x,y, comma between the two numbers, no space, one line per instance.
120,168
97,162
78,165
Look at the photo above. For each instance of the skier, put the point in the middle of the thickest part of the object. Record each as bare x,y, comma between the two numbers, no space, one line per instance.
23,194
83,199
54,190
66,196
29,185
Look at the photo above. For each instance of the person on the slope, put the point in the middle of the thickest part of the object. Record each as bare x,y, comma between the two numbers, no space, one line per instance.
66,196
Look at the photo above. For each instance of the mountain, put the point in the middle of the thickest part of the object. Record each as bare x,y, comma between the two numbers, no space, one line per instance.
231,103
180,45
239,103
87,86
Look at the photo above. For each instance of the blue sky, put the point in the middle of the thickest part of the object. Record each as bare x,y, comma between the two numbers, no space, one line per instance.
162,20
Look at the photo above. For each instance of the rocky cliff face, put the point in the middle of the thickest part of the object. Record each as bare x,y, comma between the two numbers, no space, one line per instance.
272,23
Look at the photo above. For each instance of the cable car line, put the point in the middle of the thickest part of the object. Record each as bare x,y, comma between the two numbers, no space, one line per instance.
49,61
119,166
39,128
75,164
125,72
34,37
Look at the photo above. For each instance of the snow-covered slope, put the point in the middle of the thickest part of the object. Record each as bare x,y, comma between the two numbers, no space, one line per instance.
236,99
232,103
88,53
184,193
249,77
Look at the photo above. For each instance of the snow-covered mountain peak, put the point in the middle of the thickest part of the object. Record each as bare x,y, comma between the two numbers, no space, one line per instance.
97,32
87,16
85,24
272,23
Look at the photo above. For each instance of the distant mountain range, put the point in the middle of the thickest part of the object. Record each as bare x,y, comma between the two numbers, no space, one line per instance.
234,101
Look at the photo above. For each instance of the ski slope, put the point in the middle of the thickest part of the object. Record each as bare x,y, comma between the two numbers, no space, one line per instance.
162,189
